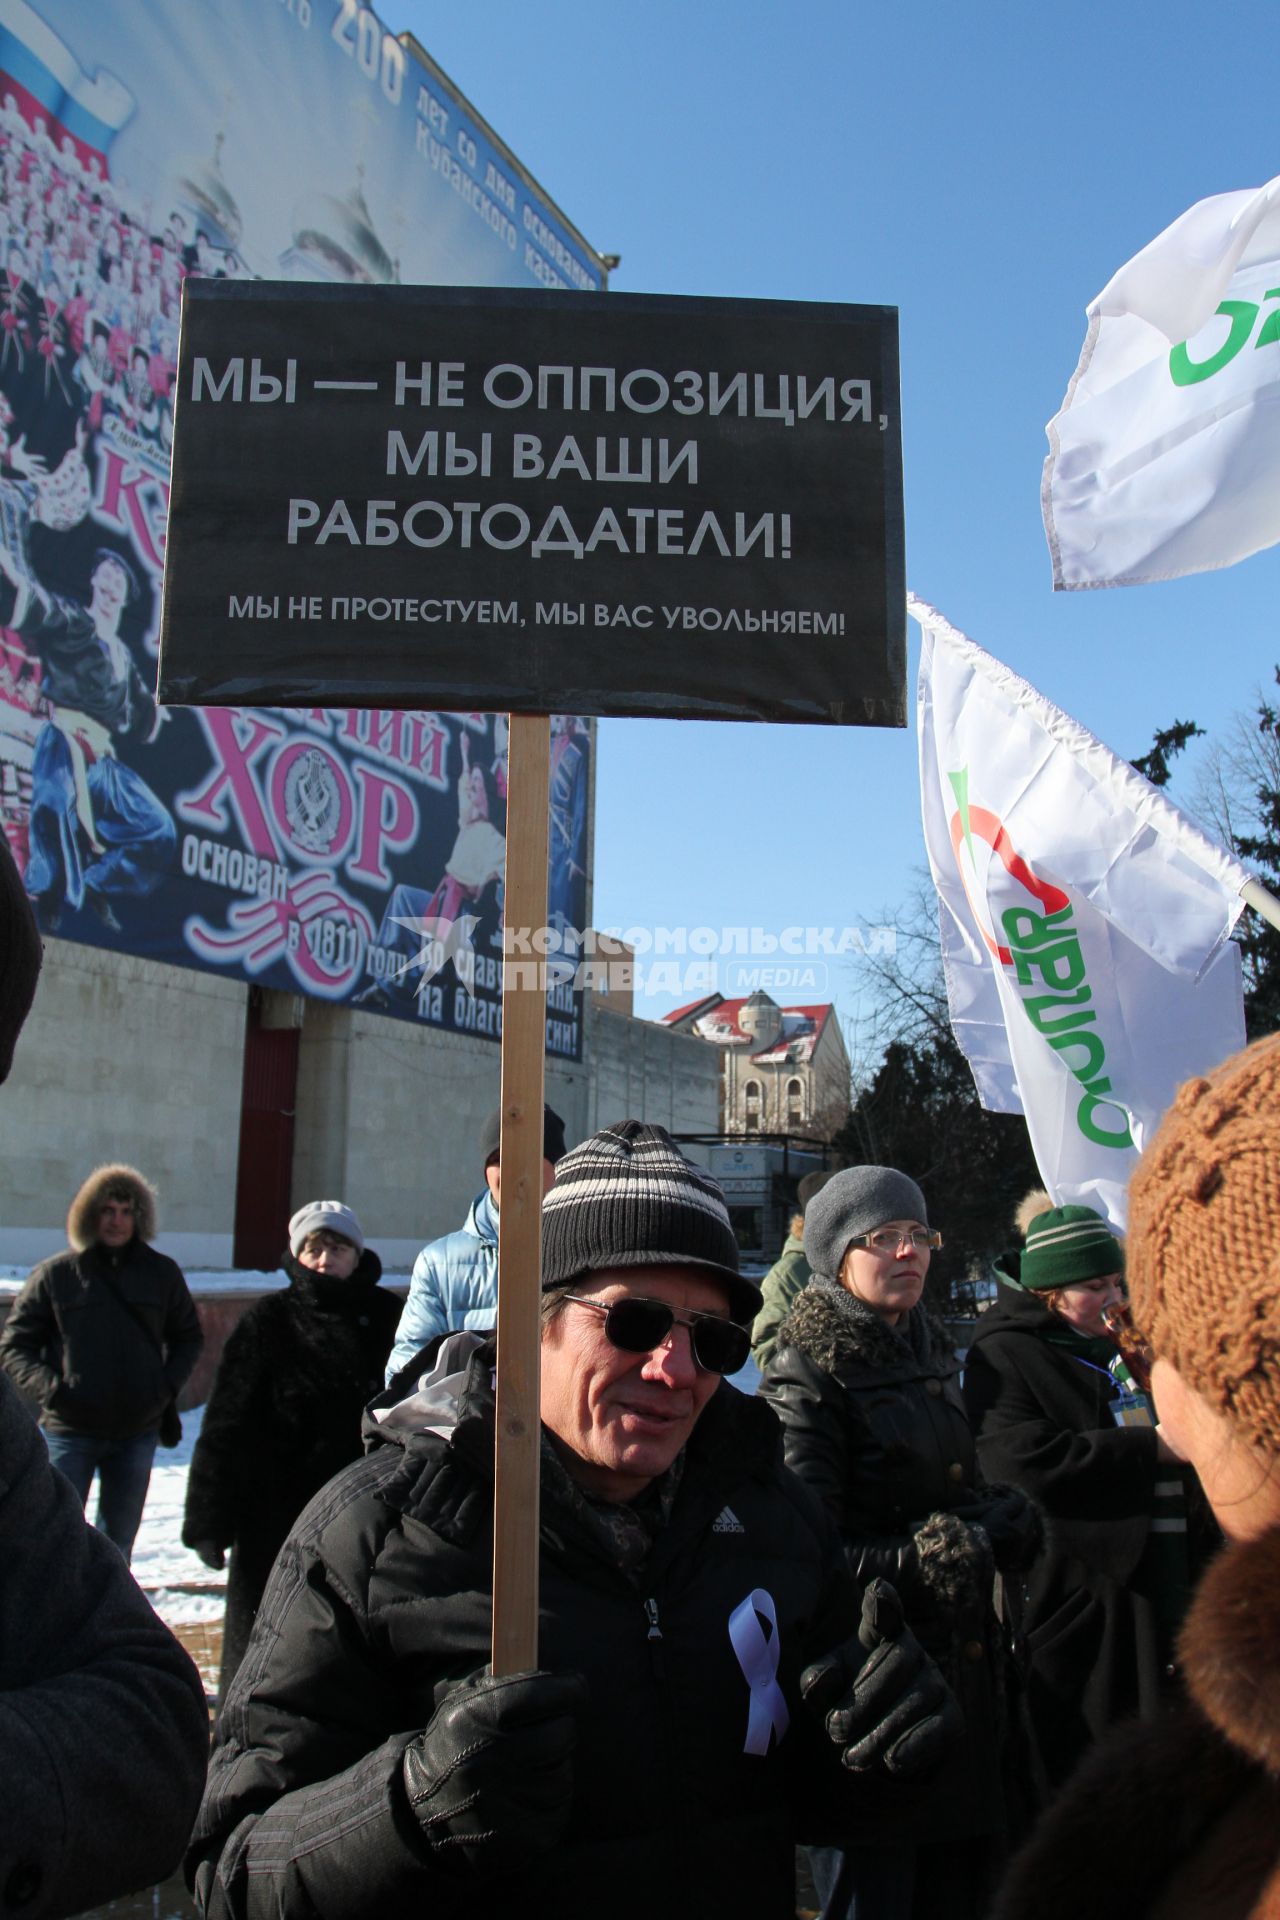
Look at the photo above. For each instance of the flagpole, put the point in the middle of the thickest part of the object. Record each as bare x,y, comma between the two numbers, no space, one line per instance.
1255,895
518,1432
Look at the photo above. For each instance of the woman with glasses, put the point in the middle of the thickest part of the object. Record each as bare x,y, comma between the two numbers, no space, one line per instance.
866,1383
284,1410
1059,1410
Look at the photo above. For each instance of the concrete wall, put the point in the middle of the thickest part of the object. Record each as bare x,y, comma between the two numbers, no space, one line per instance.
643,1071
129,1059
124,1059
389,1116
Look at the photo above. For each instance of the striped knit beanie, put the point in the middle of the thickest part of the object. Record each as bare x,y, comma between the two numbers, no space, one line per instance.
627,1197
1204,1239
1068,1245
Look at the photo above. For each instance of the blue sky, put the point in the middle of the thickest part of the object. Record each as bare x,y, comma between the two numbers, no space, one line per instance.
985,169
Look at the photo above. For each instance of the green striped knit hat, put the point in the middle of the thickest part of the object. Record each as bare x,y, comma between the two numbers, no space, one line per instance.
1068,1245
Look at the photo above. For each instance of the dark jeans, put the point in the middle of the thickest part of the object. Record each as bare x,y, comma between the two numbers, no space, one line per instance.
124,1470
947,1881
867,1883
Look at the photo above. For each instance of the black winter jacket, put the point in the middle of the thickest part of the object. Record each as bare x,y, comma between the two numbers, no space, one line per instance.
103,1729
283,1416
82,1357
1042,1419
881,1435
380,1603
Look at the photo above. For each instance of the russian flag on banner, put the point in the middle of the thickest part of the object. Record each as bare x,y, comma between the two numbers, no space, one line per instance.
49,85
1084,921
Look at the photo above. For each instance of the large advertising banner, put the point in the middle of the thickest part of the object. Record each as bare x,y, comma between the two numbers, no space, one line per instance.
353,856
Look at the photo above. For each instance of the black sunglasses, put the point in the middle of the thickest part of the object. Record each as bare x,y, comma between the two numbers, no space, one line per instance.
637,1325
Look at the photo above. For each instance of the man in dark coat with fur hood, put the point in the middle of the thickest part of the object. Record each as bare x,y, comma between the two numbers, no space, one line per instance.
102,1337
285,1408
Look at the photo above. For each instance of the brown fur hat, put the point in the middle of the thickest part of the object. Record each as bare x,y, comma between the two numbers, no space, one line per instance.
105,1183
1204,1240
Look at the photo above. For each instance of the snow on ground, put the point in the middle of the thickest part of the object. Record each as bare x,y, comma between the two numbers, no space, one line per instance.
178,1584
219,1280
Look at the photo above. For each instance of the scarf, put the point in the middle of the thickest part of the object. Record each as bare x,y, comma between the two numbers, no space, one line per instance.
911,1332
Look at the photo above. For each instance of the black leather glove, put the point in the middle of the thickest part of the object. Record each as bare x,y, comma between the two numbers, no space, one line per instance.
883,1700
211,1553
1011,1522
490,1782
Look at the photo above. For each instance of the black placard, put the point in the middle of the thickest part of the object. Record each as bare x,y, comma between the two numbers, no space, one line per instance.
508,500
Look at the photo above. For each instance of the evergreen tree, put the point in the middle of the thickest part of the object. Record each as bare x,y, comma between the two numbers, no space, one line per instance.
1238,798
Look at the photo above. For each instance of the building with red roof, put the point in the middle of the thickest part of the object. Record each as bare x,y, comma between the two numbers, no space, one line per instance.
783,1069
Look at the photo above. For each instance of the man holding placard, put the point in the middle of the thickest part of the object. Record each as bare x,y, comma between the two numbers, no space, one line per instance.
702,1670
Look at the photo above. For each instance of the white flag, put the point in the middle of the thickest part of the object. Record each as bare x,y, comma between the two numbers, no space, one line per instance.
1085,921
1165,458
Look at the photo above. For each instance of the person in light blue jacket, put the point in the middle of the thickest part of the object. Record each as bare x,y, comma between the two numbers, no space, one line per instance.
454,1285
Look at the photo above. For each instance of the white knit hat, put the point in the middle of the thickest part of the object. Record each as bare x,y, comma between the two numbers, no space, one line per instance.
327,1216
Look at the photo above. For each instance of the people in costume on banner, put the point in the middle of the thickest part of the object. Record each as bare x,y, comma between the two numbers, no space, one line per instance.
58,500
103,1729
702,1670
866,1383
1179,1817
567,838
52,345
139,402
16,309
102,1338
479,850
97,831
89,309
787,1277
419,924
454,1284
1057,1412
283,1414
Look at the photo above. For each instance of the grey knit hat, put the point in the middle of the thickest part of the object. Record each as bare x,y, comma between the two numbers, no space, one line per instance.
853,1202
627,1197
324,1216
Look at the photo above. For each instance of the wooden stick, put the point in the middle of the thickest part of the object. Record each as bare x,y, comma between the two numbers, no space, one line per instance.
524,1020
1255,895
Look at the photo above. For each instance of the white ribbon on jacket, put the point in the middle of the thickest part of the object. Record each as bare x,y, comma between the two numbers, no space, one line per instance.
758,1657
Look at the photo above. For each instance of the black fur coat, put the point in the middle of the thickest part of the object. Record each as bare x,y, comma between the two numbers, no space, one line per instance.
1098,1647
283,1417
874,1422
